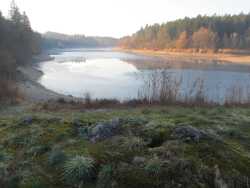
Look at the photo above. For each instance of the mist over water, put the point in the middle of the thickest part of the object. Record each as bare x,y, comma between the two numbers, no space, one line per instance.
108,74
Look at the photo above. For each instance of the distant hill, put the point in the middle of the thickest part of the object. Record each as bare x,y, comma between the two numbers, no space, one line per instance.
59,40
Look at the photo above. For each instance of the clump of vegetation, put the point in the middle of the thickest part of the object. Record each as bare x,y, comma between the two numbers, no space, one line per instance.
79,170
154,167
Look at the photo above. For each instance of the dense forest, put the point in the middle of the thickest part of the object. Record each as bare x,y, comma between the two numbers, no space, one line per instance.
18,43
58,40
202,32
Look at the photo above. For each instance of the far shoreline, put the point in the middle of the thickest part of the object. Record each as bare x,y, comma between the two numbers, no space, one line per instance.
227,56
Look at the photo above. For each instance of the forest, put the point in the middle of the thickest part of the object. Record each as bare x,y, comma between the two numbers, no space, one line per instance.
18,43
203,32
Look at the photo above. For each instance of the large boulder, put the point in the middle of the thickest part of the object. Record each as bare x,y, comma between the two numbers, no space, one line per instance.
105,130
189,133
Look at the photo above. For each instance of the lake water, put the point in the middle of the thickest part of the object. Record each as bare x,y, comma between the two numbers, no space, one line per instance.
109,74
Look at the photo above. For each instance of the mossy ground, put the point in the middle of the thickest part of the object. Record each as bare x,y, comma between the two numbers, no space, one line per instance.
147,133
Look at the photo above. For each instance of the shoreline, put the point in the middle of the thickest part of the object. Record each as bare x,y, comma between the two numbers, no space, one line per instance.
30,88
233,58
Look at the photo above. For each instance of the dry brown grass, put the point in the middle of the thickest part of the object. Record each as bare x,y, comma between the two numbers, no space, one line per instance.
225,55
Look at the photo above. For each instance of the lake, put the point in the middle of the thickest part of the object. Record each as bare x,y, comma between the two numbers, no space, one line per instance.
104,73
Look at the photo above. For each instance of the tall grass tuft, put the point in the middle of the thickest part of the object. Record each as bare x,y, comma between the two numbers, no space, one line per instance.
79,170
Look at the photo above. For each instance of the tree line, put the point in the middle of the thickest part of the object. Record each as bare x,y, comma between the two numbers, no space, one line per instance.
202,32
58,40
18,43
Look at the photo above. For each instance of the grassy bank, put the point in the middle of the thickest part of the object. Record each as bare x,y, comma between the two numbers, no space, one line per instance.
129,147
229,56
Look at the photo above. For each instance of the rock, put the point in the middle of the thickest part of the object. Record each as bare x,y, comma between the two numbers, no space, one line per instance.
189,133
28,120
106,130
139,160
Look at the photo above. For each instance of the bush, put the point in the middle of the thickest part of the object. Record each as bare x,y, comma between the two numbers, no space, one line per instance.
79,170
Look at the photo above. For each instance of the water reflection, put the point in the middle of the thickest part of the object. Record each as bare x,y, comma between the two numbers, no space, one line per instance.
102,78
108,74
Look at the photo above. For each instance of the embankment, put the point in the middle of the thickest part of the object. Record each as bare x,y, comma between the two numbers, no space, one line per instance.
226,56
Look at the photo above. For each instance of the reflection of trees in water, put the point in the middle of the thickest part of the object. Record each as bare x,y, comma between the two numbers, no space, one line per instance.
164,86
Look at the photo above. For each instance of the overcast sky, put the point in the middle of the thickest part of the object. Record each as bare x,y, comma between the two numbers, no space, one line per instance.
116,17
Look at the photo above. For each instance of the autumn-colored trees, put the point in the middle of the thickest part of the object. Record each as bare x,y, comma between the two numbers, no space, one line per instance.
202,32
204,39
182,41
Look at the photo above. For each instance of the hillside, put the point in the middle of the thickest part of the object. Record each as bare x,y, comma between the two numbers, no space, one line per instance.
58,40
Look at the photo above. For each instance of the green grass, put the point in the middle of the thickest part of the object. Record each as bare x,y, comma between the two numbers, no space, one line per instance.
147,132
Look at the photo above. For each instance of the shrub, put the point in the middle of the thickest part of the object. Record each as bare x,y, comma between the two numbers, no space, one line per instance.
79,170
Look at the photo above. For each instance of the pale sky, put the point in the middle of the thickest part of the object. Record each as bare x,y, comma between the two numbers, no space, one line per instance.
116,18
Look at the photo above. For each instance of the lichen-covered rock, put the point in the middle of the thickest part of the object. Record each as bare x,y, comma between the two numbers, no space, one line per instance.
189,133
28,120
105,130
139,160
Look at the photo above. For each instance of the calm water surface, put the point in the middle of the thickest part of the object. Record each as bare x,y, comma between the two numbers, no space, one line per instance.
108,74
